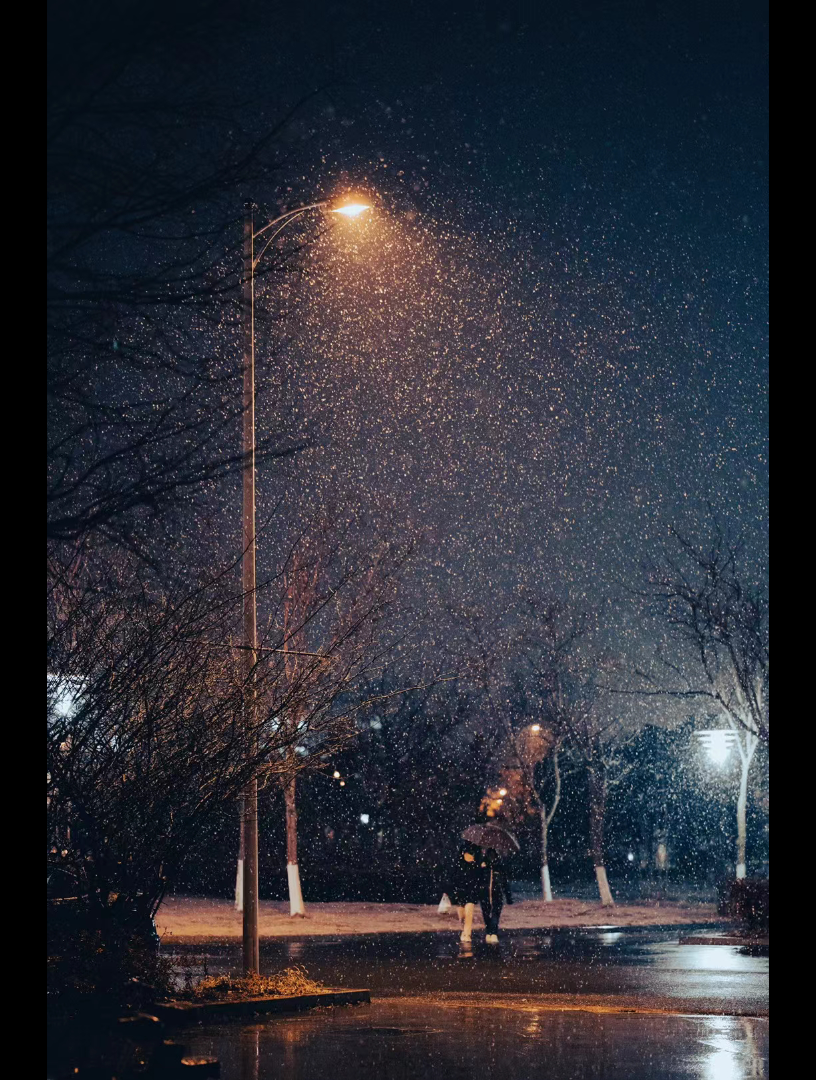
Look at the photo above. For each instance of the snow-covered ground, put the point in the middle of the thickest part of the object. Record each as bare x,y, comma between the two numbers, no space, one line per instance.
195,917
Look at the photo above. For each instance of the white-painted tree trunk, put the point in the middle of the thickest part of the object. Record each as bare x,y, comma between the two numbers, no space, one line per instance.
546,885
603,887
239,887
747,743
296,905
546,817
742,825
597,816
239,877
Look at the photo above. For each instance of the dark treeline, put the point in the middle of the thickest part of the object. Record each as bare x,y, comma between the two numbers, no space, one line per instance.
421,773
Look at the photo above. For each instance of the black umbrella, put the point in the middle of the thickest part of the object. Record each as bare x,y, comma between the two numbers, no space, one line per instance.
491,836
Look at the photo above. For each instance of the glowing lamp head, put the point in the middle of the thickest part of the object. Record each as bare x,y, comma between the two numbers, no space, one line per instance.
336,774
503,791
717,745
351,210
535,727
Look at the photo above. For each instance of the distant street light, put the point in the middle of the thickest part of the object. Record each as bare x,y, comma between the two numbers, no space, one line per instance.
717,744
249,805
535,727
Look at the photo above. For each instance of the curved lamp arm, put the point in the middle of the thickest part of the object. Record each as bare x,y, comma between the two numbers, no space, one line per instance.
282,222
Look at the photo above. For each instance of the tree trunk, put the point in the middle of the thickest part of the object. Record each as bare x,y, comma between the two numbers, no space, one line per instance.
742,806
296,906
239,879
746,745
545,868
597,814
546,818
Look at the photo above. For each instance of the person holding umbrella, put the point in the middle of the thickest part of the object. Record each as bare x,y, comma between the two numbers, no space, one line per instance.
495,890
494,885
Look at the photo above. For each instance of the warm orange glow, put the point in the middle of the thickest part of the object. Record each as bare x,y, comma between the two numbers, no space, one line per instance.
351,210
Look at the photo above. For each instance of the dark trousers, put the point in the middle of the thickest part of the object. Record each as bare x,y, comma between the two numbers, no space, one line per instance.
491,913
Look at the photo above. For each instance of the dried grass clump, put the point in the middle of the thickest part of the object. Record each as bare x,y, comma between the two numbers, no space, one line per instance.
287,983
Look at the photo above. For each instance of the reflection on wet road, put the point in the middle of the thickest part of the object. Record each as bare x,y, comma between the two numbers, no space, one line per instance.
640,969
585,1005
408,1038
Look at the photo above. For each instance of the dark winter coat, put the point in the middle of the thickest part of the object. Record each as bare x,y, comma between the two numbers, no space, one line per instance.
494,882
464,879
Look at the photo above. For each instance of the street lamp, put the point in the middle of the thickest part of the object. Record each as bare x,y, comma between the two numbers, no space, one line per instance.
351,210
249,803
717,743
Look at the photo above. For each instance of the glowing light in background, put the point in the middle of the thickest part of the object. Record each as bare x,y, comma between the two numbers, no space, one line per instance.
351,210
717,744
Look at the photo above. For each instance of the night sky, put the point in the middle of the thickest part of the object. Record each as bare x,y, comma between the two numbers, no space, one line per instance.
549,339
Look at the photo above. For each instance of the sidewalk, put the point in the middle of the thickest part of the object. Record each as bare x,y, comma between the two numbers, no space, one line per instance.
195,918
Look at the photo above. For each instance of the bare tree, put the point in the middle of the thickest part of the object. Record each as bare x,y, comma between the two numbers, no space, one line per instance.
150,155
720,621
571,674
147,738
530,782
144,732
704,596
333,638
527,744
547,813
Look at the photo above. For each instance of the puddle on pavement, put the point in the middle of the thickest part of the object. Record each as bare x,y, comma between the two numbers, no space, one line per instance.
409,1038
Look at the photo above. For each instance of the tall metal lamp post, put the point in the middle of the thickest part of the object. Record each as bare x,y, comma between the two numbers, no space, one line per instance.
249,797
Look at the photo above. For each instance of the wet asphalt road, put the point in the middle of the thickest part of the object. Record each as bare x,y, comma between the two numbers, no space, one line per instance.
643,969
546,1005
422,1039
